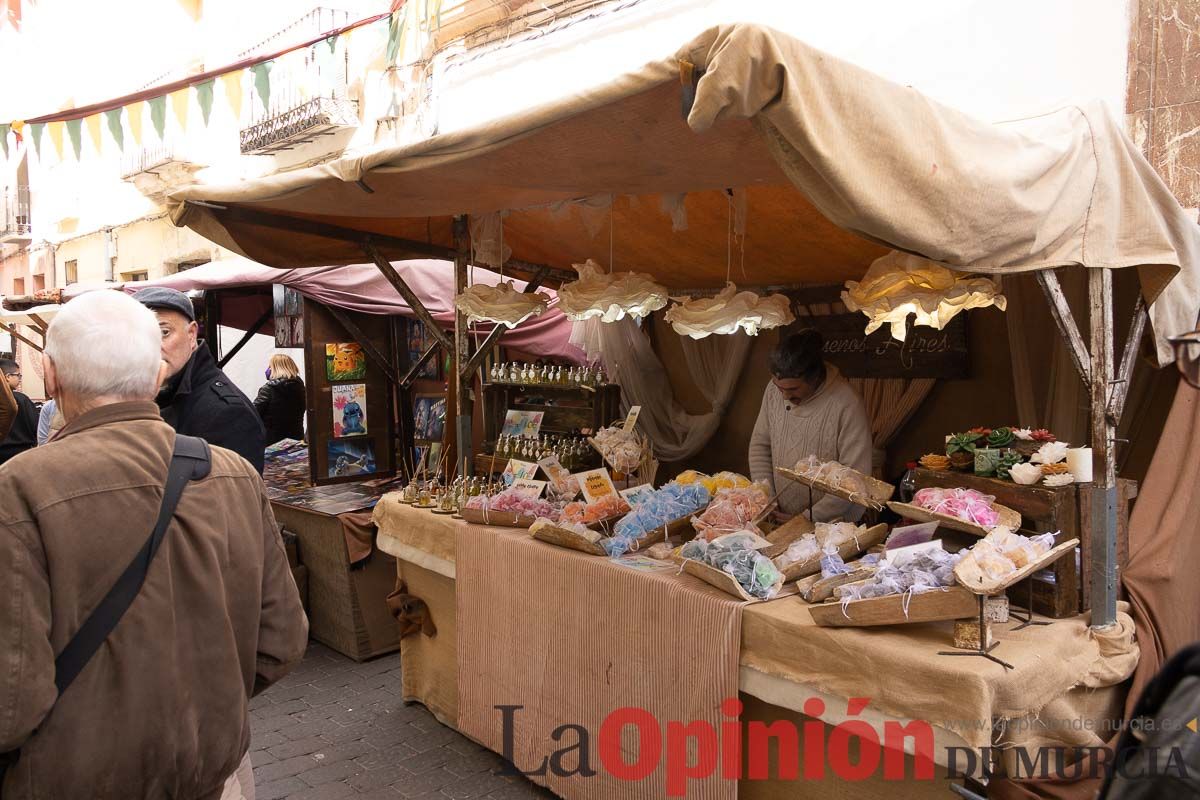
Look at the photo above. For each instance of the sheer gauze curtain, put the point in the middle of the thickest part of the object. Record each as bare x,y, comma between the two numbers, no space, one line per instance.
715,364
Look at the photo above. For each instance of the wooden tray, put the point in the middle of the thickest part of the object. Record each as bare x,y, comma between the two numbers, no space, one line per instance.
848,550
953,603
878,492
564,537
815,589
720,579
497,519
1007,518
978,583
787,533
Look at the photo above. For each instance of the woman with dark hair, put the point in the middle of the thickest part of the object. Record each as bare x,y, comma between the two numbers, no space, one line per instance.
281,401
808,409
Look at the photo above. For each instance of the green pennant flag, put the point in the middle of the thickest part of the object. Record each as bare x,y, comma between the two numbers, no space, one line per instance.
35,131
332,42
4,139
262,82
158,114
395,34
204,96
75,131
115,128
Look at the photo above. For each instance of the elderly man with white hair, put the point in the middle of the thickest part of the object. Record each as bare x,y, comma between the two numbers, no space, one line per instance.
146,593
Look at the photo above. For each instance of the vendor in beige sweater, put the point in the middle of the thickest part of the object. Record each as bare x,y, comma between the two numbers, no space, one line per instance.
808,409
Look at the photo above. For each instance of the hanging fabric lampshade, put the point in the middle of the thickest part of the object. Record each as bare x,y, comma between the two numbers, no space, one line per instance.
501,304
729,312
609,296
900,284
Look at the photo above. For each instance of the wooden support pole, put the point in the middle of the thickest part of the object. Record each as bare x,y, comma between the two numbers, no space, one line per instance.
367,345
1061,311
462,355
410,297
1103,565
494,335
253,329
411,375
12,331
1120,389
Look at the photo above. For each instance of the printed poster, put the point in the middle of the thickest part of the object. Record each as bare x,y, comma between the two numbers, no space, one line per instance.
523,424
349,410
345,361
348,457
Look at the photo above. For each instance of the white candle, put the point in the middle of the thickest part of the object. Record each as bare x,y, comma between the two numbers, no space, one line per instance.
1079,463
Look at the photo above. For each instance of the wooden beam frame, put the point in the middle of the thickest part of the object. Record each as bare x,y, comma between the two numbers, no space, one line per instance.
1103,566
388,271
357,334
495,333
464,408
1061,311
1120,387
411,375
12,331
253,329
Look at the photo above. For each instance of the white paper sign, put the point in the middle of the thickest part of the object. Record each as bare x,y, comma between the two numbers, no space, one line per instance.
528,487
595,483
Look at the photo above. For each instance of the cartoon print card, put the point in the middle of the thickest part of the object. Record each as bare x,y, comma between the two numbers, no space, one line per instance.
349,410
345,361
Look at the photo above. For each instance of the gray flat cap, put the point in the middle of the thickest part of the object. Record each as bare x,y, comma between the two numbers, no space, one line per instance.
160,298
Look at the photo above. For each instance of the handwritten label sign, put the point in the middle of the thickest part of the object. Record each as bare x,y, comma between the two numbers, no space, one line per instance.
925,352
595,483
529,488
636,494
559,477
522,424
632,417
517,470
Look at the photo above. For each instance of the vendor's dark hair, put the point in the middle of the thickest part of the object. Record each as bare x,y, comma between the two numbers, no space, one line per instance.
799,356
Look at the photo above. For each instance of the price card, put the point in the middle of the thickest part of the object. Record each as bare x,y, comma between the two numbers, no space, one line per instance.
522,424
595,483
636,494
632,418
528,487
559,477
518,469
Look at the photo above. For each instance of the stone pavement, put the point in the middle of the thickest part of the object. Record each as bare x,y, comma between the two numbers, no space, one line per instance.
334,728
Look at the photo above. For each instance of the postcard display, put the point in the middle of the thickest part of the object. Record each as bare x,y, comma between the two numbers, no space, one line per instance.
350,416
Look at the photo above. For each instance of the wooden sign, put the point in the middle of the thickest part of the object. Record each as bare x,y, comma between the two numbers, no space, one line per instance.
925,352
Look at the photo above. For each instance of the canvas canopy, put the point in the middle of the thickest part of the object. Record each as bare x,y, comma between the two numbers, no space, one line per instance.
360,287
837,166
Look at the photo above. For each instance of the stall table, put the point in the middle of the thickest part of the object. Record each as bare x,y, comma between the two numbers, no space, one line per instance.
1062,673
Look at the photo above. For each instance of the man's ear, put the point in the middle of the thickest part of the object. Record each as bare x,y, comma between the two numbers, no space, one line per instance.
193,330
49,376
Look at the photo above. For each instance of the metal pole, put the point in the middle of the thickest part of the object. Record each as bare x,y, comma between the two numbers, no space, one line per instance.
462,354
1104,497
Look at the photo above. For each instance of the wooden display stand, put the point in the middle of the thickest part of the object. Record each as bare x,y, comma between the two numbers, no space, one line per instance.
567,409
1064,592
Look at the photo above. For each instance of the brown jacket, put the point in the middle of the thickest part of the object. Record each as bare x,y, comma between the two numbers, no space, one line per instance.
160,710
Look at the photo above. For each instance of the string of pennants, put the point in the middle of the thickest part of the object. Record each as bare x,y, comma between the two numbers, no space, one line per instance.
130,119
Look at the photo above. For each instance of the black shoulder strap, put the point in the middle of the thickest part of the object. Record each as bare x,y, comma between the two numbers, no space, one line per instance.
190,461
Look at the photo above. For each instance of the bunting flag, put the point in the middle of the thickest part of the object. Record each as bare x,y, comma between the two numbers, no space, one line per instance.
134,113
179,104
158,114
262,82
194,8
204,96
75,131
4,139
35,131
232,81
56,136
395,34
115,127
332,42
93,127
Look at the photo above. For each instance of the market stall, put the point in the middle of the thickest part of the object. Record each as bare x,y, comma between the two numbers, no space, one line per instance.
781,145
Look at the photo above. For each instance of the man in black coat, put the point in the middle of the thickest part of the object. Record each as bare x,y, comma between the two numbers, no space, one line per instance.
197,398
22,435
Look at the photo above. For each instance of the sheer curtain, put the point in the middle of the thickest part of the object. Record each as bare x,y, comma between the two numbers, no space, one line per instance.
715,364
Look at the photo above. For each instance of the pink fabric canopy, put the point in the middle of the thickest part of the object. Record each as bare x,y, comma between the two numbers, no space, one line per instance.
361,287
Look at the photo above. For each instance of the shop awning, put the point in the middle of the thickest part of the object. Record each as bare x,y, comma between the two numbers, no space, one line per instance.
838,166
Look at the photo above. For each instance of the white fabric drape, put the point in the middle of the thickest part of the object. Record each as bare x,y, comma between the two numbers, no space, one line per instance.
715,365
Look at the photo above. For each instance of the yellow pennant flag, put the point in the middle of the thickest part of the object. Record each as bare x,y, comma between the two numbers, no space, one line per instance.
56,130
179,103
232,81
93,126
134,114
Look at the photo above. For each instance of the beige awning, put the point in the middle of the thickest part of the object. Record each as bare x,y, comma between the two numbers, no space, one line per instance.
838,166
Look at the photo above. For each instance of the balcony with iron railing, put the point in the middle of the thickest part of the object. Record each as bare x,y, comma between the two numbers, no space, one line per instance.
16,226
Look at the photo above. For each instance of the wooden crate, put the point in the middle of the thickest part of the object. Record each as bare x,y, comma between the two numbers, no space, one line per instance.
1064,589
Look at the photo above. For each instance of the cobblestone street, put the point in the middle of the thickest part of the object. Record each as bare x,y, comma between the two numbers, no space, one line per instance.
334,728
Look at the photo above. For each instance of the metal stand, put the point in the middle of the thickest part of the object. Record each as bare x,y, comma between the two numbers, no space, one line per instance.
1028,619
981,651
